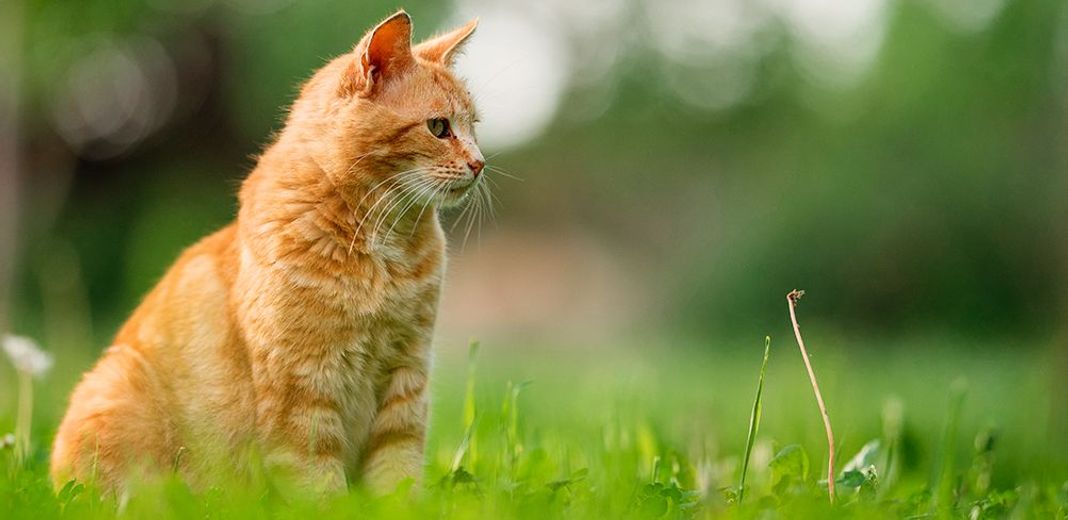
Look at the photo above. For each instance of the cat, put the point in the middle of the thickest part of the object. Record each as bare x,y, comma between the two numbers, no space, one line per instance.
298,337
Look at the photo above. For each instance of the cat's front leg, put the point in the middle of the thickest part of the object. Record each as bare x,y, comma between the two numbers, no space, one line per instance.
303,441
394,450
295,474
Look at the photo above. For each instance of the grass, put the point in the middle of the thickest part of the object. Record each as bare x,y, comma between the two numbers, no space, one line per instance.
660,431
754,420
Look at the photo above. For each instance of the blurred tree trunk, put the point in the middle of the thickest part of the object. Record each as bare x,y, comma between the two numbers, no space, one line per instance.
10,108
1060,370
1059,386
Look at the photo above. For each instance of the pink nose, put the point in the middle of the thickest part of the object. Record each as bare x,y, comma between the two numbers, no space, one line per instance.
476,166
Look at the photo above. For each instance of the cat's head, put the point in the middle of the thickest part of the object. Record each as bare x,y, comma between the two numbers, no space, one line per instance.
392,116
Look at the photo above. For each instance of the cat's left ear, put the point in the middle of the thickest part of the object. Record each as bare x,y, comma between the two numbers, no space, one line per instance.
383,52
442,49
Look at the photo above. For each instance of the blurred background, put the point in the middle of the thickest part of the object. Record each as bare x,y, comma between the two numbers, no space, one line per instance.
684,164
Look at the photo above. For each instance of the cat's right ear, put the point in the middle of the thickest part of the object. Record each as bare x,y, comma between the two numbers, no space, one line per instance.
385,51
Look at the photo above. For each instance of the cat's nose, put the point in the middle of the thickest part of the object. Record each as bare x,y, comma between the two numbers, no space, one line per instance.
476,166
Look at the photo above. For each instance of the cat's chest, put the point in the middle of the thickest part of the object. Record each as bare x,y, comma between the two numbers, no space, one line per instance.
368,329
358,349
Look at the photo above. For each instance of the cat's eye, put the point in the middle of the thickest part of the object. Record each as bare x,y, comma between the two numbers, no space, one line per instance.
439,126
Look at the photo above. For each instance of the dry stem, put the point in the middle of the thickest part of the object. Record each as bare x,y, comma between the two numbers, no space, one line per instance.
792,298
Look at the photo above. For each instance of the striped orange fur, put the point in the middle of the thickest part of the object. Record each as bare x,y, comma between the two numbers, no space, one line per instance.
301,332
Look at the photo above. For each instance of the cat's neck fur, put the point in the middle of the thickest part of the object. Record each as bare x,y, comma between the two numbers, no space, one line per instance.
291,203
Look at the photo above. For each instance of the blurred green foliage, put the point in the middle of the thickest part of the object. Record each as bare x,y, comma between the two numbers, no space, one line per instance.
929,195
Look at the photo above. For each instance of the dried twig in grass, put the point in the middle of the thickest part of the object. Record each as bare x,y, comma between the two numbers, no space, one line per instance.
792,297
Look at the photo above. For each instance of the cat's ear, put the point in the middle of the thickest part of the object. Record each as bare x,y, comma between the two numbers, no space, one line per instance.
383,52
443,48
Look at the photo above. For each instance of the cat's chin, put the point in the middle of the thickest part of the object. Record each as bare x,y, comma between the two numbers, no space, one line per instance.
452,200
456,196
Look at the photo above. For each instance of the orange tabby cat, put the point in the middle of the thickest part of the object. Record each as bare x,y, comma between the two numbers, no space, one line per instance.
303,329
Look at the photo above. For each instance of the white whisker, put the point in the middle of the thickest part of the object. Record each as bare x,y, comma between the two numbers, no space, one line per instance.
427,187
427,203
410,176
460,216
477,204
503,173
401,198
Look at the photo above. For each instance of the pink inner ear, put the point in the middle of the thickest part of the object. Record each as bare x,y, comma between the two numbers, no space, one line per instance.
390,44
382,51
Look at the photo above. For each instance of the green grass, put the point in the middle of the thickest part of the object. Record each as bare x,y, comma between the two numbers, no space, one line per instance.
754,420
655,430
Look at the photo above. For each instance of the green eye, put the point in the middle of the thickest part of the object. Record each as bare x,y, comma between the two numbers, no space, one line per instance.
439,126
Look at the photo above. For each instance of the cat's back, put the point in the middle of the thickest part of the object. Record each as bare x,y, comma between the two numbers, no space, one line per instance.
176,365
191,300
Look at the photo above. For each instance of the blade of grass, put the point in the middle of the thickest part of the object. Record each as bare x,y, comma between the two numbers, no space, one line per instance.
462,449
754,420
470,444
892,417
469,395
467,448
792,297
944,481
509,423
24,417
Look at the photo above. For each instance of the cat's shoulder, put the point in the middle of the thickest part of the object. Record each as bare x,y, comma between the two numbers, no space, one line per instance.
219,249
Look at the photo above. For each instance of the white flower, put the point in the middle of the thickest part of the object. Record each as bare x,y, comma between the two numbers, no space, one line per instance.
7,440
26,355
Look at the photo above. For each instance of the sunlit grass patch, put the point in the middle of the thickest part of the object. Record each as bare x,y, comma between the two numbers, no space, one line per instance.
660,431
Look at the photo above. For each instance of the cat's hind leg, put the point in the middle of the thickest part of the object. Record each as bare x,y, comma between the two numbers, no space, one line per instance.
114,428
